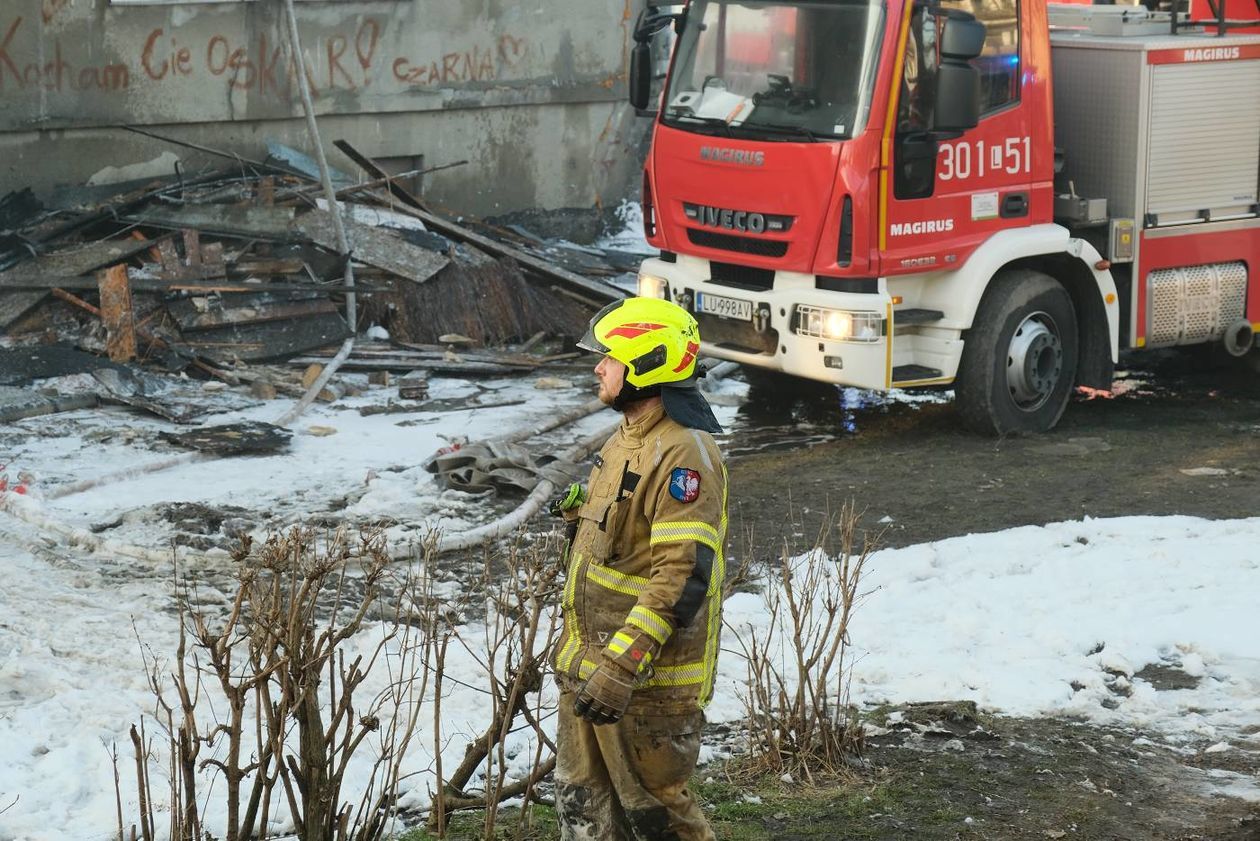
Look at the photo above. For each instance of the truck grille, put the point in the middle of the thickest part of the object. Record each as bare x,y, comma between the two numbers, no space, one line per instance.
741,277
744,245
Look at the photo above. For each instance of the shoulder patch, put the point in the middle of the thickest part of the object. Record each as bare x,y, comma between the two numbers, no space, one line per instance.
684,484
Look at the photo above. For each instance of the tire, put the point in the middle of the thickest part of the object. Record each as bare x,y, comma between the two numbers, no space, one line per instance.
1019,358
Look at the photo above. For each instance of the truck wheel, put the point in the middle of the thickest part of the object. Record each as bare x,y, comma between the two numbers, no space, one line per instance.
1019,358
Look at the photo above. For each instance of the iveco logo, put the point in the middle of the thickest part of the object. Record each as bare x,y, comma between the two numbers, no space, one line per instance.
732,156
737,220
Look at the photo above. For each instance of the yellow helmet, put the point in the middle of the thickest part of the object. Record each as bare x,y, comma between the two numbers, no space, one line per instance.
656,340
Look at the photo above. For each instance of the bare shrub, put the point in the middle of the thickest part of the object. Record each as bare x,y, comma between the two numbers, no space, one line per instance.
517,629
263,713
281,663
796,702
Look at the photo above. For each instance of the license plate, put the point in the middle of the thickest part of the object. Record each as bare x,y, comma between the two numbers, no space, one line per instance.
724,307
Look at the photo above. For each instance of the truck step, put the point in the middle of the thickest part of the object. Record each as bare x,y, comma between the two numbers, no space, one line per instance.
912,316
914,373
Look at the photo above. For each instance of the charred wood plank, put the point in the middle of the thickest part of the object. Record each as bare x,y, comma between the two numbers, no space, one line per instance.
375,246
600,291
218,287
435,366
14,304
573,283
209,313
371,168
75,261
268,340
251,222
151,338
117,314
267,265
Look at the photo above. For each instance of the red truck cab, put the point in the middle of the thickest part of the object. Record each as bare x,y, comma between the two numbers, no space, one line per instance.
865,193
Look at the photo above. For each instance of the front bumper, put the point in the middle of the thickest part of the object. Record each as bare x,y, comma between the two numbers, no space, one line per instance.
779,335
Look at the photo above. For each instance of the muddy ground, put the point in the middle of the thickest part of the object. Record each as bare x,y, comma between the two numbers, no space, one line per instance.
813,446
1182,437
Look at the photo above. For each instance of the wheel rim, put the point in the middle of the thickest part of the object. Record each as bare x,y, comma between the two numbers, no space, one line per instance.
1034,361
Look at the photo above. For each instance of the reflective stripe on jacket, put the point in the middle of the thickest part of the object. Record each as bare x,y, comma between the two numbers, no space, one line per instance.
647,558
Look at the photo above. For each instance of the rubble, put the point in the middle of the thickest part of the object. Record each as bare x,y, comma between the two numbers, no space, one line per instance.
225,274
246,438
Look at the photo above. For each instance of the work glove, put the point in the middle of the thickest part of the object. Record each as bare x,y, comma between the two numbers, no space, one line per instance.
604,697
573,496
627,661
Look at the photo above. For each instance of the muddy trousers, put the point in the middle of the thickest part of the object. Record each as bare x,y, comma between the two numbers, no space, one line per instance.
628,781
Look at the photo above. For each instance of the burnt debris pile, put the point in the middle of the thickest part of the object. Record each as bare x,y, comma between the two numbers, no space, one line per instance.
214,274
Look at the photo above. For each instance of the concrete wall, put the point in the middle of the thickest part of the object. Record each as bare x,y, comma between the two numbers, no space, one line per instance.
531,92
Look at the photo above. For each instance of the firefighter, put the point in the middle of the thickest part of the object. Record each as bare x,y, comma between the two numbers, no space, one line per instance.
643,594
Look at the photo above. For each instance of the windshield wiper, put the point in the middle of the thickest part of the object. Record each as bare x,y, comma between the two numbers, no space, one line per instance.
715,122
797,130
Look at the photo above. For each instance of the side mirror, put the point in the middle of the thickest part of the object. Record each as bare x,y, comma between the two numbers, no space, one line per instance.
640,75
963,38
957,81
650,24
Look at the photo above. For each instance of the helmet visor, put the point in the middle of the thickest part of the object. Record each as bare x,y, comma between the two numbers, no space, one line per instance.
589,340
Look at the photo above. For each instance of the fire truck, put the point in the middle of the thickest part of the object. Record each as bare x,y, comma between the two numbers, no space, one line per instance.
998,195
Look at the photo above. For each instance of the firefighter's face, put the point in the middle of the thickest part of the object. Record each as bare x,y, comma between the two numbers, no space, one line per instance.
612,376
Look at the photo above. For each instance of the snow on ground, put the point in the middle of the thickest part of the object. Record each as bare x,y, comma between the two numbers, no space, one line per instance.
1011,620
1057,620
374,460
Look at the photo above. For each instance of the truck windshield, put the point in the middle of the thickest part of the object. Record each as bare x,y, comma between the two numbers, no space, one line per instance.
775,70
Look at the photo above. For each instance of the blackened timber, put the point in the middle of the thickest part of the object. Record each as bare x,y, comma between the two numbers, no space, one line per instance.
218,287
435,366
153,339
211,313
73,261
490,302
371,168
378,247
263,341
269,223
601,292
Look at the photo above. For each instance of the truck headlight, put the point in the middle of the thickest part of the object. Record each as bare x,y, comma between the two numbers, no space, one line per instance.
651,286
838,325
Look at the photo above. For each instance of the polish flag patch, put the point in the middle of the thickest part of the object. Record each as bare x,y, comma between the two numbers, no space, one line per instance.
684,484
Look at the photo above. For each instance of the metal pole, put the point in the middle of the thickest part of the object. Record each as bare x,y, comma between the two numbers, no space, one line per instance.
299,63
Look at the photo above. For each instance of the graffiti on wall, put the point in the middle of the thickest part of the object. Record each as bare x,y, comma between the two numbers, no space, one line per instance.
341,61
480,64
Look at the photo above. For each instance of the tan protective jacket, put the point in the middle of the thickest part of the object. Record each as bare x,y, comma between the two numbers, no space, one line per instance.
647,559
